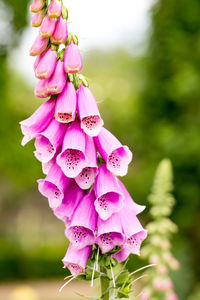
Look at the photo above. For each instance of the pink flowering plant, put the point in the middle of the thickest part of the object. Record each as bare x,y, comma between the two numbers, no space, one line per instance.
81,160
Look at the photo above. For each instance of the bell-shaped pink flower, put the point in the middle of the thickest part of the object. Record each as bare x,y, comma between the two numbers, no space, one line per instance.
87,176
72,158
48,141
129,203
109,198
73,195
37,5
117,157
109,233
58,79
72,59
59,35
76,259
88,111
81,231
55,9
48,26
65,111
54,186
37,18
40,90
39,45
46,65
38,121
133,230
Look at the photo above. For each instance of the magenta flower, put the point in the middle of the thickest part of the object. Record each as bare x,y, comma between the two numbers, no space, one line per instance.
37,5
72,197
117,157
66,104
39,45
38,121
57,81
129,203
87,176
81,232
109,233
72,59
38,18
60,33
133,230
48,26
55,9
109,198
54,186
88,111
46,65
48,141
76,259
72,158
40,90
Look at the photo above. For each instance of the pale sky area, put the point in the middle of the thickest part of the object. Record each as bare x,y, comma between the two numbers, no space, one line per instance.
102,25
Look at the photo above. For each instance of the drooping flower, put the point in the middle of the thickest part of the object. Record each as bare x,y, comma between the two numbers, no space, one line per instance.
129,203
59,35
72,197
54,186
88,111
72,158
38,18
48,141
47,27
37,5
57,81
46,65
40,90
65,111
133,230
117,157
81,231
72,58
87,176
38,121
76,259
55,9
109,233
109,198
39,45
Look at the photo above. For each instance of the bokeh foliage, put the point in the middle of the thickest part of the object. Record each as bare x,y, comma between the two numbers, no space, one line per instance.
151,103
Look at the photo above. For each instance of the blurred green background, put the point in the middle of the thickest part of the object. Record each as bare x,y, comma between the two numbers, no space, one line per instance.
150,101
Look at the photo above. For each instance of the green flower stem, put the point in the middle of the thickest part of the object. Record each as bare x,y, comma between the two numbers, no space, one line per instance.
104,282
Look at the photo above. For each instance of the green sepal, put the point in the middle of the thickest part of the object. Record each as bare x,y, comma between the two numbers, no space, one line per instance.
65,13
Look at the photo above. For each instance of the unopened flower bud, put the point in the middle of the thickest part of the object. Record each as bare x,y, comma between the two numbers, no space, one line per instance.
37,18
55,9
48,26
39,45
37,5
60,33
72,59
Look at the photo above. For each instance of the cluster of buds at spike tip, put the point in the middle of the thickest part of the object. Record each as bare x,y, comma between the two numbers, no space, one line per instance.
88,197
160,229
